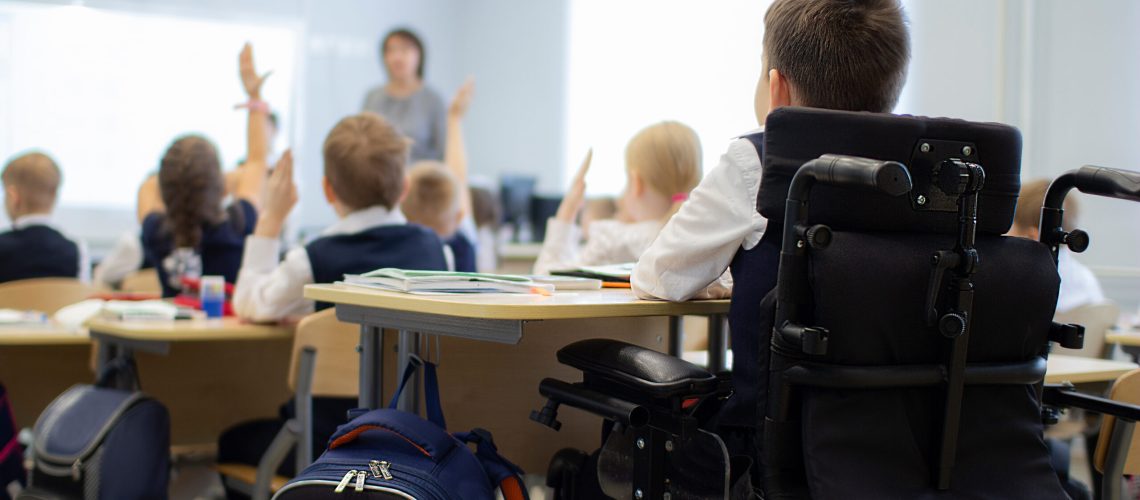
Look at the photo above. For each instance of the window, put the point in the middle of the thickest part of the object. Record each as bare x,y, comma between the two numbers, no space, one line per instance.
636,62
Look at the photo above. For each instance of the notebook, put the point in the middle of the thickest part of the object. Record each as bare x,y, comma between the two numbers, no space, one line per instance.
445,282
609,273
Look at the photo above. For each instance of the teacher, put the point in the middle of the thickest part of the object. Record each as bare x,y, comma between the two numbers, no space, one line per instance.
414,109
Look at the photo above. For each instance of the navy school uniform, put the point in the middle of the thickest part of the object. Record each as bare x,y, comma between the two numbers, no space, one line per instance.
220,249
463,251
37,251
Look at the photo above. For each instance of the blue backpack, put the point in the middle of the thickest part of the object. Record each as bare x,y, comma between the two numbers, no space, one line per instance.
388,453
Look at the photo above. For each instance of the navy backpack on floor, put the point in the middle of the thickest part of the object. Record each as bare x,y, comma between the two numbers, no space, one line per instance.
390,454
98,443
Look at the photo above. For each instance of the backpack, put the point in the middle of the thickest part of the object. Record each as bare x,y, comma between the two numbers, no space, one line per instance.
99,443
11,455
390,454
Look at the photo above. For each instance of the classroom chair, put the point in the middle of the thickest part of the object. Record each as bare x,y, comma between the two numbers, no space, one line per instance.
46,295
324,364
903,348
1097,320
142,281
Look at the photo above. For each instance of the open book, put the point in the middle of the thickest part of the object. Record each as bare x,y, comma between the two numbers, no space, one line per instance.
433,282
610,273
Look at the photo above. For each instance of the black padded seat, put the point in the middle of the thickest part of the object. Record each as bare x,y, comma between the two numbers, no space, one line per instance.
657,374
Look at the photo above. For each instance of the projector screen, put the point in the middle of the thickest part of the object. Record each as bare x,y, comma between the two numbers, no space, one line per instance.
105,91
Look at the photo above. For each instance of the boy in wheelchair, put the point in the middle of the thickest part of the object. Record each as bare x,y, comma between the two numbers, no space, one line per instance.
888,341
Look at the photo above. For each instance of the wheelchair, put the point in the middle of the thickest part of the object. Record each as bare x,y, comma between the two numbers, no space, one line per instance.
903,347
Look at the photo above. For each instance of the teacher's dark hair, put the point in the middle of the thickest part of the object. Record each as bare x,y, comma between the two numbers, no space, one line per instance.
410,36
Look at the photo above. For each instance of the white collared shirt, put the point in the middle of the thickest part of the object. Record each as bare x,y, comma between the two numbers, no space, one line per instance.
696,246
1079,286
266,291
609,242
45,220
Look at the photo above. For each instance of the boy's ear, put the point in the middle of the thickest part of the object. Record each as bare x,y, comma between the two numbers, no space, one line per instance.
330,195
779,90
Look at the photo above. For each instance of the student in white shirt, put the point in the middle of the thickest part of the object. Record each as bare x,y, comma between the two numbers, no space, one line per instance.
1079,286
663,163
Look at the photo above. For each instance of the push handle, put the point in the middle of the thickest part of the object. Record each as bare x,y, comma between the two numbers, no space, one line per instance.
888,177
1110,182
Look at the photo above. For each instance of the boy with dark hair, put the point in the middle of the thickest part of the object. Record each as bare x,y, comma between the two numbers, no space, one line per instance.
836,54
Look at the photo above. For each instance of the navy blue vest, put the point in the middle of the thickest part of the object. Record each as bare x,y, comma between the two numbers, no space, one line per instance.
753,276
37,252
221,247
463,251
407,246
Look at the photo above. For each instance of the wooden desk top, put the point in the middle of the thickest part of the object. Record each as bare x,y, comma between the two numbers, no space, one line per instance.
1081,370
225,329
46,335
606,303
1124,337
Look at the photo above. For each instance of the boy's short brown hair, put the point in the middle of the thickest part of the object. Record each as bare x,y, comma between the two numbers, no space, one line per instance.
1029,201
36,177
433,196
364,161
839,54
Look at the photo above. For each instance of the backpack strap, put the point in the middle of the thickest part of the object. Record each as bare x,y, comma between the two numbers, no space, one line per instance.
431,389
502,472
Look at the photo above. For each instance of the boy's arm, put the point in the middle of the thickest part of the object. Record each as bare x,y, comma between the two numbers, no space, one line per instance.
699,241
266,291
560,247
455,151
251,176
149,198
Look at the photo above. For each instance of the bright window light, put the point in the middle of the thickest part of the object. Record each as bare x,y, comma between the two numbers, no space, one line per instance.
637,62
105,92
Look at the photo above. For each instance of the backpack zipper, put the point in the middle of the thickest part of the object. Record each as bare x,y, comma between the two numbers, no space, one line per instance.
344,482
380,469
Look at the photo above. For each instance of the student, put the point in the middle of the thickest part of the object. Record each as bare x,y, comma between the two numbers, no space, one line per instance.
662,164
1079,286
817,53
487,212
33,248
438,197
364,182
186,231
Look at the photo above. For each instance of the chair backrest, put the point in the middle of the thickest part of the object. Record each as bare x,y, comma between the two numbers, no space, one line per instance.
1097,319
142,281
337,372
1126,389
46,295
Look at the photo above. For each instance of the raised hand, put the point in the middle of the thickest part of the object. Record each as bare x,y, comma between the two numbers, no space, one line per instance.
576,194
249,78
279,199
462,99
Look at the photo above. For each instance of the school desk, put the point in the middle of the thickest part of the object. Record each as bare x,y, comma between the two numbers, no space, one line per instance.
211,374
1079,370
485,383
518,258
1129,337
38,363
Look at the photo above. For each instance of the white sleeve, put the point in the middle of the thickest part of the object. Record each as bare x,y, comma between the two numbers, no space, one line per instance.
125,258
84,262
696,246
266,291
559,248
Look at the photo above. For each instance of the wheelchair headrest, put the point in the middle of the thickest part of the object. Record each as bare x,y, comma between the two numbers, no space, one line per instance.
794,136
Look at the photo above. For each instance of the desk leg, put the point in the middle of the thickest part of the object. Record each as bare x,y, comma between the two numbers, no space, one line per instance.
407,345
676,336
718,345
371,367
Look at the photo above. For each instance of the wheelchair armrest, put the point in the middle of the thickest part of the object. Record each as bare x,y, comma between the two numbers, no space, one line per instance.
1067,396
653,373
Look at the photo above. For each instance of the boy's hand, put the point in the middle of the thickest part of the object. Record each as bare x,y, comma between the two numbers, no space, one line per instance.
280,197
249,78
576,195
462,99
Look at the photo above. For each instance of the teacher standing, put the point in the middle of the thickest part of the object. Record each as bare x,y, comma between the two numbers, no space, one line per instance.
412,107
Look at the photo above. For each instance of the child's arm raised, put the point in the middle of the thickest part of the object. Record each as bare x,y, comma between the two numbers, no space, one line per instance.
560,248
251,176
455,151
149,198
